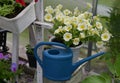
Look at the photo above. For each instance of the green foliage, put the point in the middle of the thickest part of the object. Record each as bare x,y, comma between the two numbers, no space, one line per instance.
114,26
103,78
7,2
112,57
5,71
94,79
8,7
29,49
114,46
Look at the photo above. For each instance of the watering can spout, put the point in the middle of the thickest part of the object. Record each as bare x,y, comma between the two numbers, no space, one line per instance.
77,64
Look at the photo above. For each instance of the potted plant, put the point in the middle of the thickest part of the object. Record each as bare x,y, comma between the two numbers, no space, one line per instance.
16,15
76,27
30,56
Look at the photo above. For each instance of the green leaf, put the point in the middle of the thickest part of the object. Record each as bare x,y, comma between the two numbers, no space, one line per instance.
117,65
107,77
111,66
6,9
94,79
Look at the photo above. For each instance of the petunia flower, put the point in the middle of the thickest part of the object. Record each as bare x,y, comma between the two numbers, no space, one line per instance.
21,2
48,17
76,41
1,56
13,67
67,36
6,57
105,37
36,0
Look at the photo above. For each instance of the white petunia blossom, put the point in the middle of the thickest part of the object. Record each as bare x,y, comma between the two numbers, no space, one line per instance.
67,20
76,11
59,6
56,31
89,5
105,36
99,25
49,9
96,18
76,41
82,26
67,36
99,44
60,29
68,27
82,35
48,17
67,12
60,17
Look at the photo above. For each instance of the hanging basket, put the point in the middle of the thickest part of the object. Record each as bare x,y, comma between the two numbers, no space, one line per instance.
21,21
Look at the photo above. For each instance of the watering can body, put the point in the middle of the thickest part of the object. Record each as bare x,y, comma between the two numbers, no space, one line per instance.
57,63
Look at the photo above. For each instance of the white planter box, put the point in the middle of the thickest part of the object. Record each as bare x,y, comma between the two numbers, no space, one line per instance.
21,21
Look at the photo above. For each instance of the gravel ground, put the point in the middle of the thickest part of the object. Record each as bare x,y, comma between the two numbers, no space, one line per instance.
27,76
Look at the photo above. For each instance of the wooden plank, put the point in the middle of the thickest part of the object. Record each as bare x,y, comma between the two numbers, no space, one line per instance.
15,50
39,36
32,38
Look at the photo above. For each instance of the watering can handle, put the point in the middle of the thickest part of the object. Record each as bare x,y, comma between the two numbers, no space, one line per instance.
47,43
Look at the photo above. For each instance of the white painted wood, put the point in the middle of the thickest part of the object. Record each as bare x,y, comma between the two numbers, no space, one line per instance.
19,23
32,38
39,36
44,24
15,50
39,10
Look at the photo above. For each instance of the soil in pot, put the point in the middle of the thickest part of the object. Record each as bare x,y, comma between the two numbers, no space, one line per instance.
16,11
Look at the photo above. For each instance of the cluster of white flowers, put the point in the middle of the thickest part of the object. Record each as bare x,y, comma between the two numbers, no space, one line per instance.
76,26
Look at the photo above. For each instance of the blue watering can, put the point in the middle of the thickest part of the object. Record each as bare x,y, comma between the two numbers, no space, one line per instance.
57,63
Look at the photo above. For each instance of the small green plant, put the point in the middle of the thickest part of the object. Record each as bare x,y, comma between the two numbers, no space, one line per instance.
29,49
